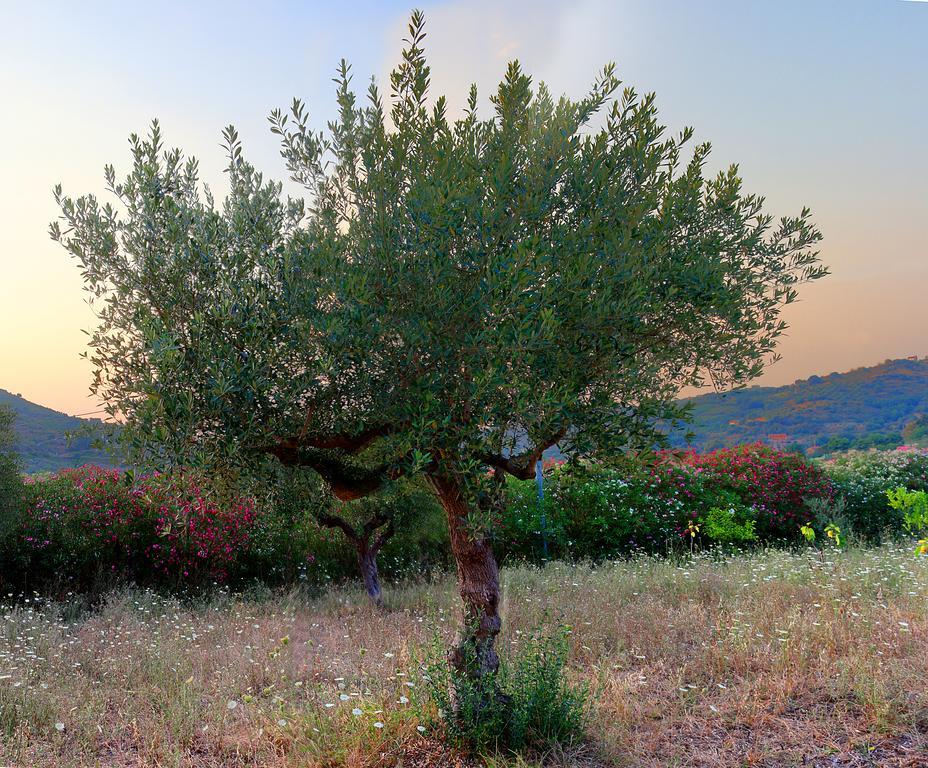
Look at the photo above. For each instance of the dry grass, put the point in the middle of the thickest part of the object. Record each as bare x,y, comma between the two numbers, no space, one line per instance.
767,660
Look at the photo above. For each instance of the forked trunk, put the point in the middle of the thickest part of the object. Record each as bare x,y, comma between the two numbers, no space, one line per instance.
366,545
478,582
367,562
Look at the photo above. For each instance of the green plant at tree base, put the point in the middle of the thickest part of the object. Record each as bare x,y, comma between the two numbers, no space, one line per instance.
807,532
832,534
532,704
456,295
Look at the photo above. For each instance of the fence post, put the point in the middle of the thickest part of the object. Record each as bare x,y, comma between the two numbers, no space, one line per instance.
540,480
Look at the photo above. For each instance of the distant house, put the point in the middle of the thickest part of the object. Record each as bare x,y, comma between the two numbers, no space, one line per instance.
777,440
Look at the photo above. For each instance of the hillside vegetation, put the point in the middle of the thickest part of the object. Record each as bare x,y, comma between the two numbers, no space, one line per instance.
43,444
880,406
864,408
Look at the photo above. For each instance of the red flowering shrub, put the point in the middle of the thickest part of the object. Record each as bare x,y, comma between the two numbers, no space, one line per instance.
198,538
774,483
82,524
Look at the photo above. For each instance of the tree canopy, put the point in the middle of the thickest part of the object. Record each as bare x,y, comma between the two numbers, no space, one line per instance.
454,295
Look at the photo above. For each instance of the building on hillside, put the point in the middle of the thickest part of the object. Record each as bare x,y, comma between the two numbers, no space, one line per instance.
777,440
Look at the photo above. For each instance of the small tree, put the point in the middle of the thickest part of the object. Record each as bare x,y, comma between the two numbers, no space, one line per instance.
456,296
367,524
11,483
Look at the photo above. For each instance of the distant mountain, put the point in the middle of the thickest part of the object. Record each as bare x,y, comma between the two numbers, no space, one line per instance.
43,437
880,406
866,407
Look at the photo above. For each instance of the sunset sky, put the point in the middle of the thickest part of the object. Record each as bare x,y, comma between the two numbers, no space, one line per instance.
822,104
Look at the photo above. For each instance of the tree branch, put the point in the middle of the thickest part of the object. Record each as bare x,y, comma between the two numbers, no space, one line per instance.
523,465
385,535
334,521
346,481
350,444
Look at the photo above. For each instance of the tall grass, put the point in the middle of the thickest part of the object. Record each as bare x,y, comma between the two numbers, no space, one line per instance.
771,658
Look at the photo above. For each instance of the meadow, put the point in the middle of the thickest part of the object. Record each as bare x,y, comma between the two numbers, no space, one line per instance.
771,658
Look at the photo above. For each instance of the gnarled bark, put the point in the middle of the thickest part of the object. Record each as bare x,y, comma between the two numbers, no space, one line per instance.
367,563
366,545
478,583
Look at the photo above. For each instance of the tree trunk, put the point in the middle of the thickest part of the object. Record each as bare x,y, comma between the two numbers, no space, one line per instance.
367,562
478,582
366,545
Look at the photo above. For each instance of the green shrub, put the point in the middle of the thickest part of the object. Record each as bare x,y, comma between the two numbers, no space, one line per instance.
597,512
11,485
531,704
732,525
914,508
862,479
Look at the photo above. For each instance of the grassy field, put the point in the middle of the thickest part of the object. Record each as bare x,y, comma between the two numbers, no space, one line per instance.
773,659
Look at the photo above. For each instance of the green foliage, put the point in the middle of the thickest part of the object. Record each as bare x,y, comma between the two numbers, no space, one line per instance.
728,526
831,511
833,532
11,484
531,704
600,512
289,542
468,291
596,512
914,508
862,479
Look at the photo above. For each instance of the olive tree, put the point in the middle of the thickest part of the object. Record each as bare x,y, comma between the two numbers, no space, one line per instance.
454,295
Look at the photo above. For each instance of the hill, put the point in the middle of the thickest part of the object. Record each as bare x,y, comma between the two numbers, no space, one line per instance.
866,407
43,443
863,408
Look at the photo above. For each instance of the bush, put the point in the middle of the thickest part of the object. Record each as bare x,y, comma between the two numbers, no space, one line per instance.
11,485
728,526
773,483
863,479
914,508
530,704
88,525
598,512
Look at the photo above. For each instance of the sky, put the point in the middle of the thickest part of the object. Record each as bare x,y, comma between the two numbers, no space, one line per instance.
821,103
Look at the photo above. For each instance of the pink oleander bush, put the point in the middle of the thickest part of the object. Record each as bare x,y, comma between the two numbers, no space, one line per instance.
80,529
774,483
81,526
